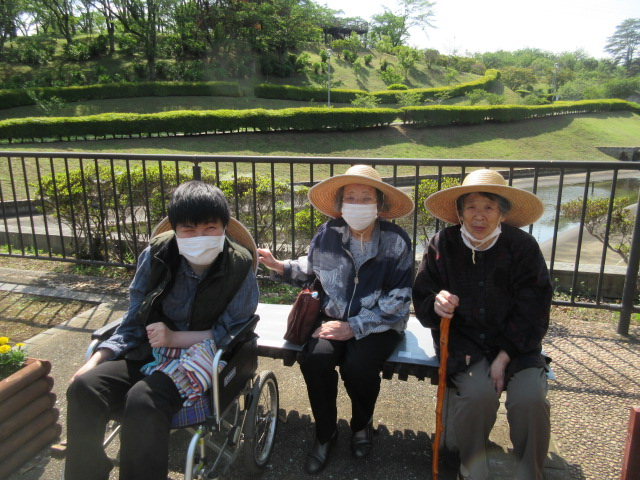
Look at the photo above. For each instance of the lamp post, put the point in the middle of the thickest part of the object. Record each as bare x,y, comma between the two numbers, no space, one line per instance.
329,53
555,81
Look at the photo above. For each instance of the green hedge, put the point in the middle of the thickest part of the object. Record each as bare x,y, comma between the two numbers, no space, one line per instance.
20,97
340,95
189,122
484,83
443,115
305,94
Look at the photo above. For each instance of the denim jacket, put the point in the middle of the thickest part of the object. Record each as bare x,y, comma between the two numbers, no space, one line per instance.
374,298
177,305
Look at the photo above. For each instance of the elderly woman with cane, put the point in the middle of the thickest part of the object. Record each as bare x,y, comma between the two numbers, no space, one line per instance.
364,264
489,277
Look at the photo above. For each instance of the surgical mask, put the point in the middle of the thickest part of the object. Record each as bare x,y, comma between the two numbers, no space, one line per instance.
359,216
201,250
468,238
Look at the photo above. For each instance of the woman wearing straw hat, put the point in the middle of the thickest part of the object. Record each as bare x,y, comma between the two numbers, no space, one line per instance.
364,264
193,284
491,279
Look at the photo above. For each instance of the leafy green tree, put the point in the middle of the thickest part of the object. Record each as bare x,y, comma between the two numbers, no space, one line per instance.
410,99
431,56
475,96
595,221
9,11
624,43
143,19
518,78
408,14
365,100
63,15
407,59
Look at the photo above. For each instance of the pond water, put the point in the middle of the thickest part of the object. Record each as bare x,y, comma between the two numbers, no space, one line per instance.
543,228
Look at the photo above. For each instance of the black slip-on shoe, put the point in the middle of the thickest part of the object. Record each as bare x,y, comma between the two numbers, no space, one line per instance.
318,457
362,441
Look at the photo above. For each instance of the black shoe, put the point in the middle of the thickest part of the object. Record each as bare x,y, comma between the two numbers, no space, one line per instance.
318,457
362,441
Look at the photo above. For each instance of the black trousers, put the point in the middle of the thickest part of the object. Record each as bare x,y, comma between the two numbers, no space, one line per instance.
146,403
360,363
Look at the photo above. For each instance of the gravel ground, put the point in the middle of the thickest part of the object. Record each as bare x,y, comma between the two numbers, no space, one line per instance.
598,381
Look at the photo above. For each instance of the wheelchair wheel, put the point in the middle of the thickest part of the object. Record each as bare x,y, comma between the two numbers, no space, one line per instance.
260,424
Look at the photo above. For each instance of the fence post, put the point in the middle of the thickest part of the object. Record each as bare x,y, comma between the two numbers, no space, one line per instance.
197,171
631,278
631,460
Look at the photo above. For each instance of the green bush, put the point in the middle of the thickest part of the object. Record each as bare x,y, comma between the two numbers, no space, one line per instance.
189,122
397,86
441,115
20,97
99,203
305,94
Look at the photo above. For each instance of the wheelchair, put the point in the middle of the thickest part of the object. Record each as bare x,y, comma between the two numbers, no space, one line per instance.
238,419
239,416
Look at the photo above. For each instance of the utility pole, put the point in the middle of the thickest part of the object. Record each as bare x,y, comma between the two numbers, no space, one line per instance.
329,53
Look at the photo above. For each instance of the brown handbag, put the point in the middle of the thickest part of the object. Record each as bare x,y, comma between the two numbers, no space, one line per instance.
304,314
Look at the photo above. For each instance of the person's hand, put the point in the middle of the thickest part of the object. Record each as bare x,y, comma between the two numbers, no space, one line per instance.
334,330
498,368
159,335
445,304
101,355
268,260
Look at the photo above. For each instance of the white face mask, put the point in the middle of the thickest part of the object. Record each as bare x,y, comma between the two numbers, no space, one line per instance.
201,250
486,243
359,216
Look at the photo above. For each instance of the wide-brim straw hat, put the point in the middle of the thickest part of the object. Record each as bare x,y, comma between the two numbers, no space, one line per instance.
235,230
526,208
322,196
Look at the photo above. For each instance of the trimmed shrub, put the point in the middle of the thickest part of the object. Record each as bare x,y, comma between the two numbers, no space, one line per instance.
189,122
441,115
397,86
20,97
305,94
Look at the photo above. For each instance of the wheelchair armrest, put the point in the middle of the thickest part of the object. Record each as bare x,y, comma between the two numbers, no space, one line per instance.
106,331
238,333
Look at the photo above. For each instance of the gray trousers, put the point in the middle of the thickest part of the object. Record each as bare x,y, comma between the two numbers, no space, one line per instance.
475,408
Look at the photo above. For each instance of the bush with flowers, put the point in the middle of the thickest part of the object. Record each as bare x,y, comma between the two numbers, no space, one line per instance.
12,358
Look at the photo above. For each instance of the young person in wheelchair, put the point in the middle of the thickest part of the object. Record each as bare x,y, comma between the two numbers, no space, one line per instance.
190,289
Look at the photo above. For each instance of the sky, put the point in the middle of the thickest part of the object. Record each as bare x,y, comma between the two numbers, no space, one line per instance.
470,26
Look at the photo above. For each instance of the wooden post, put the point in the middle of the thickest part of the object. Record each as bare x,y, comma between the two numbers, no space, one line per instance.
631,460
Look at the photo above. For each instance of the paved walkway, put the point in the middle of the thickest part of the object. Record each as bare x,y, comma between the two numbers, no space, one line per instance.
598,380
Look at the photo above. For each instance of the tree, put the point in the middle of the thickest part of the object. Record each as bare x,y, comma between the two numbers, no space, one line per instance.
142,18
396,24
518,78
595,221
407,58
62,12
623,44
9,11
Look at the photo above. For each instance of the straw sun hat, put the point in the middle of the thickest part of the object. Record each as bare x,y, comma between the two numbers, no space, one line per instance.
235,230
526,208
323,195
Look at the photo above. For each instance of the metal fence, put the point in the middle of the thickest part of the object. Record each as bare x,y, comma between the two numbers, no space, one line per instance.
101,208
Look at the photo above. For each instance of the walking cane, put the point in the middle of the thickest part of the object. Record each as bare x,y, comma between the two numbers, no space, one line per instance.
442,386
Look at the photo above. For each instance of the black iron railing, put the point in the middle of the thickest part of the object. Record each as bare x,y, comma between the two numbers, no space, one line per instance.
100,208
